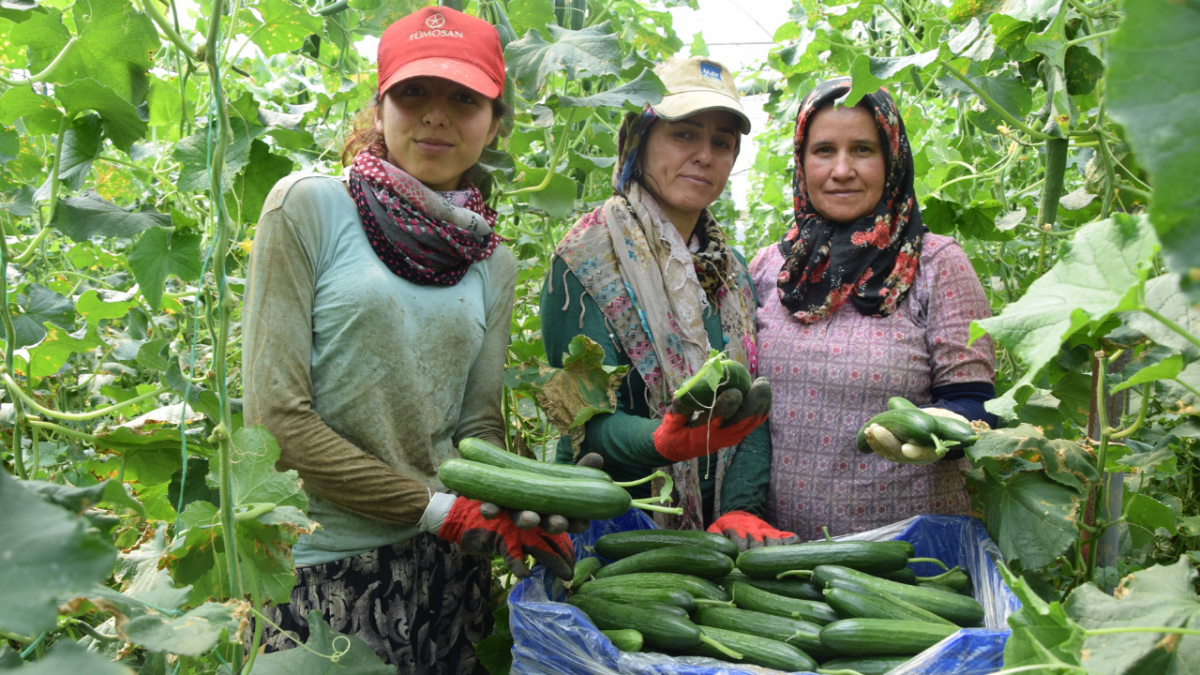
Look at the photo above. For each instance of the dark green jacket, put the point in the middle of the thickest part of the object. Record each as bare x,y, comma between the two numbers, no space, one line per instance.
625,438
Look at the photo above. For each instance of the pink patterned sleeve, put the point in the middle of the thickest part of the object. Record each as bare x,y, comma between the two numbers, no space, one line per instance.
956,298
761,273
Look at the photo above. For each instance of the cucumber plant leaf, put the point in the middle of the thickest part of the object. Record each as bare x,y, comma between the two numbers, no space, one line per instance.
89,215
1155,100
49,554
283,28
157,254
124,123
76,499
191,634
39,305
1030,517
869,73
1101,271
82,144
1145,515
1164,295
646,88
1042,633
532,59
67,657
1163,595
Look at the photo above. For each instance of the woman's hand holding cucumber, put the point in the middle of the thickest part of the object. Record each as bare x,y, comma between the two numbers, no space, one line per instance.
907,434
479,534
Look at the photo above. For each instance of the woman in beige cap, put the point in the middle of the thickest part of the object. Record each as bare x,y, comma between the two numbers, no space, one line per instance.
650,277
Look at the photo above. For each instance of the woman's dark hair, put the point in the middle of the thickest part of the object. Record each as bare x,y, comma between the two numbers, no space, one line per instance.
364,135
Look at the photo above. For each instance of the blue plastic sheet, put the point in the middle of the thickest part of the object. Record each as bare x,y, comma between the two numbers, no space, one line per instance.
553,638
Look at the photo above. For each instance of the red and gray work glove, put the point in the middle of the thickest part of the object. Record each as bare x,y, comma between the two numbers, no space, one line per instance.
477,535
732,418
749,531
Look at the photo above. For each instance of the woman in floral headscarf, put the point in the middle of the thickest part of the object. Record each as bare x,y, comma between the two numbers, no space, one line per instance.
651,278
860,303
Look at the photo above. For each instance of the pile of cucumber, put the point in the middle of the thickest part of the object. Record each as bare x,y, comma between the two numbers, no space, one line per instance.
847,606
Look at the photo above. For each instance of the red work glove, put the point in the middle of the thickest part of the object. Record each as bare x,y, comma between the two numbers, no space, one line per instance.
477,535
749,531
678,442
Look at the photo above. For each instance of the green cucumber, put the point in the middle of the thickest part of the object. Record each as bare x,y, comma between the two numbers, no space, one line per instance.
695,586
521,490
940,588
864,665
875,557
803,635
852,601
901,403
476,450
791,587
910,551
584,569
959,609
617,545
908,426
758,600
673,610
760,651
698,393
694,560
661,596
904,576
659,630
951,429
878,637
625,639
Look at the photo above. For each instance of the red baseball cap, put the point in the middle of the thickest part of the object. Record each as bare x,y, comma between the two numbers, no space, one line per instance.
442,42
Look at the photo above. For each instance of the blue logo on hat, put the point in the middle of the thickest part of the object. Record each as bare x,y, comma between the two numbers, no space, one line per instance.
711,71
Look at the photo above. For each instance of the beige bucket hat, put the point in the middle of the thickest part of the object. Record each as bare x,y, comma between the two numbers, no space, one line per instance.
697,85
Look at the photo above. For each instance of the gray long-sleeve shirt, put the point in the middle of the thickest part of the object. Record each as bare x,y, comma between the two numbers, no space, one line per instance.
367,381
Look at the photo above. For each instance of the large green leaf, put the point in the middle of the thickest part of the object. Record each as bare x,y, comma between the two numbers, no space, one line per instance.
195,152
157,254
869,73
67,658
38,112
1042,633
48,555
527,15
1006,452
113,44
191,634
283,28
264,541
1031,518
1101,271
1158,102
531,59
354,656
646,88
59,345
1146,515
97,305
39,305
123,123
252,185
77,499
1164,295
88,215
1163,595
81,146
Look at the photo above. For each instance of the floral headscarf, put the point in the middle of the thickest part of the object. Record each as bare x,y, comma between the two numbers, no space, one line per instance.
871,261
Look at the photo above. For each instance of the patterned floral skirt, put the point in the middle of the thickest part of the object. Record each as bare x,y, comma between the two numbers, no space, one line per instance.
420,604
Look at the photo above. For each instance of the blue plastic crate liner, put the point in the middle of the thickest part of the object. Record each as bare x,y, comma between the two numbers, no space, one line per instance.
553,638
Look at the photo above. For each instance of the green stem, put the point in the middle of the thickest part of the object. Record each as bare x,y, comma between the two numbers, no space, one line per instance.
1137,424
647,479
553,165
224,429
646,506
168,30
1172,325
991,103
938,578
720,647
1101,494
15,637
67,118
1094,36
10,339
15,389
69,433
255,511
91,632
935,561
47,72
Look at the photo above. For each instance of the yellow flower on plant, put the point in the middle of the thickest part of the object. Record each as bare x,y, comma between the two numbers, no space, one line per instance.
245,245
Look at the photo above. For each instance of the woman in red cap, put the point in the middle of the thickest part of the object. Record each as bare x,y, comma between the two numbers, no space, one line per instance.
376,323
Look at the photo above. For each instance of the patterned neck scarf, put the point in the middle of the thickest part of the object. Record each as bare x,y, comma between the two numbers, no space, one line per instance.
426,237
871,261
